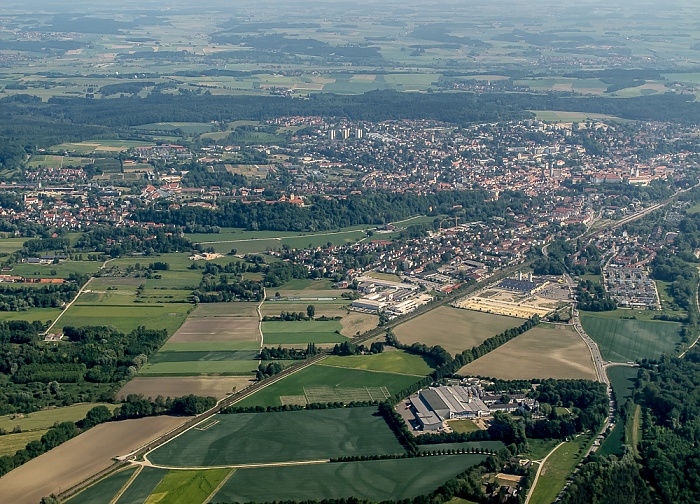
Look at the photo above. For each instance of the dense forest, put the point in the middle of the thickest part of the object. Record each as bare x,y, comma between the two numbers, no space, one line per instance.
27,122
372,208
84,368
668,468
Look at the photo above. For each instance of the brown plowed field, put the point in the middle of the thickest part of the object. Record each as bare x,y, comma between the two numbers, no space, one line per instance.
81,457
177,386
454,329
547,351
217,329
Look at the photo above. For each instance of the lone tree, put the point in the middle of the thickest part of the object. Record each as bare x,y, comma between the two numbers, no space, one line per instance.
311,311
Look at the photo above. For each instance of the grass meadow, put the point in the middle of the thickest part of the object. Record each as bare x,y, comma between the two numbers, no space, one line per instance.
557,468
302,332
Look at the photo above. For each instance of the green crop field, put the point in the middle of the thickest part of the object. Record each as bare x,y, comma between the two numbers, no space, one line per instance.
62,270
104,490
302,332
9,245
143,485
168,316
389,362
40,314
557,469
46,418
205,356
326,376
377,480
190,368
247,438
628,340
185,487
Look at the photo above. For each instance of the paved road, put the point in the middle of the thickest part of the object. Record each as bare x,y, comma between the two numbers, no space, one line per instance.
539,470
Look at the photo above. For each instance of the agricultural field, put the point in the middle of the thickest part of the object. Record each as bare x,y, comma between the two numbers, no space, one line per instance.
622,340
302,332
356,323
61,270
215,340
126,318
99,146
80,458
9,245
251,438
220,333
47,418
106,489
454,329
377,480
40,314
176,386
242,309
546,351
557,468
10,443
311,290
188,486
335,382
256,242
330,309
142,486
398,362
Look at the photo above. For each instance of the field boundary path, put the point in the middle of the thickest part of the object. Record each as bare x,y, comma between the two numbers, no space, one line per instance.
218,487
126,485
148,463
539,470
67,307
260,321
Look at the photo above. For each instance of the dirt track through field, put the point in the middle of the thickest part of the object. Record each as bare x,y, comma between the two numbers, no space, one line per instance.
78,459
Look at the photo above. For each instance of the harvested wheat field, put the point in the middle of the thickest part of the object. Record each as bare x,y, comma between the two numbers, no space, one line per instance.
454,329
177,386
217,329
547,351
81,457
355,322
